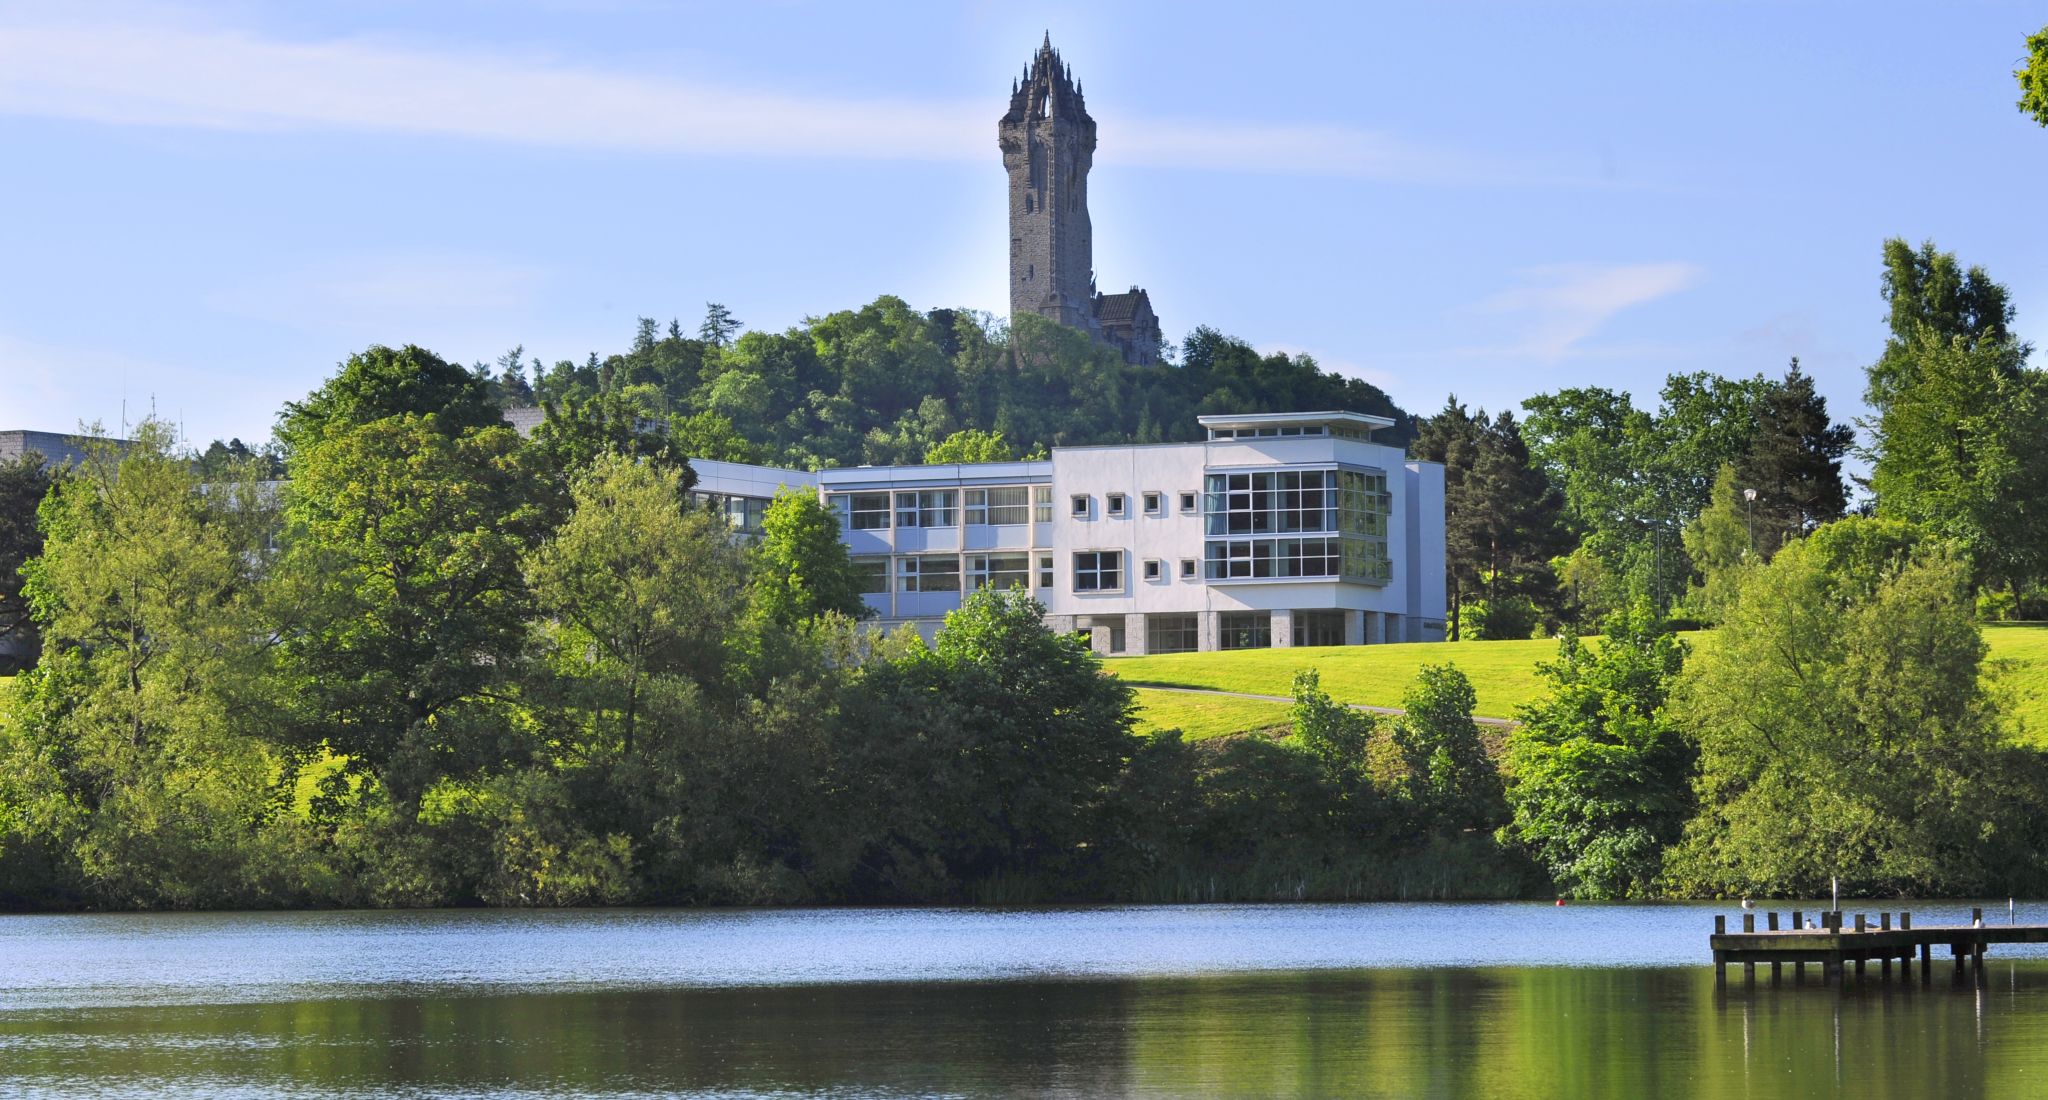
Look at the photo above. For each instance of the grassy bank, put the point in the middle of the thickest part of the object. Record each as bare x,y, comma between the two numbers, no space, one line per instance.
1503,674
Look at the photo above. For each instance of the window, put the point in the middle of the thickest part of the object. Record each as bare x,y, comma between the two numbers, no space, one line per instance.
1041,504
1172,634
931,508
1099,571
928,574
1045,570
997,571
863,511
1187,569
1319,628
1152,505
1114,504
1247,630
1187,504
1079,507
873,573
1003,507
1343,512
1153,570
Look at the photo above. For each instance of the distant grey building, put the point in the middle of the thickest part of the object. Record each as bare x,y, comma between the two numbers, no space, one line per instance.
57,449
1048,144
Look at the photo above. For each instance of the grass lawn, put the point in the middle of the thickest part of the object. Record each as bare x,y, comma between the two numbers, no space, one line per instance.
1503,674
1203,716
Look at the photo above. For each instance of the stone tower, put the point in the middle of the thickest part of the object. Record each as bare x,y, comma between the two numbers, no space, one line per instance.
1048,143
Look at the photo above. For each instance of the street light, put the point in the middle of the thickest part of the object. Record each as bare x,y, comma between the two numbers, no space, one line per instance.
1749,495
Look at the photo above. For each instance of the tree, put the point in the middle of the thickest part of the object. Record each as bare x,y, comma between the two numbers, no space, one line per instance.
23,484
1718,542
719,325
1845,730
801,565
402,600
970,445
1934,303
1500,511
380,383
1794,462
1598,775
131,760
2033,78
638,587
1961,447
1447,777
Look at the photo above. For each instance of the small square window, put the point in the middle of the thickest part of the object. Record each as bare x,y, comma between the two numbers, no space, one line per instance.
1152,569
1187,504
1187,568
1080,507
1115,502
1045,571
1152,504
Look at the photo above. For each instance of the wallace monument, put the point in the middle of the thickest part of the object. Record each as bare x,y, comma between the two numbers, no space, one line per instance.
1048,144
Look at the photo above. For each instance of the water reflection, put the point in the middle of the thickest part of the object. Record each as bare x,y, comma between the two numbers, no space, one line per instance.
349,1005
1396,1033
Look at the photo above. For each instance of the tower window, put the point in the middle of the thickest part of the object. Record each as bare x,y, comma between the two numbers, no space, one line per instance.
1029,270
1027,204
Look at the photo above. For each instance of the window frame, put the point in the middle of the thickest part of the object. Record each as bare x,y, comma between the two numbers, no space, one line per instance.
1154,570
1153,502
979,572
1081,506
988,510
1101,566
1116,505
911,574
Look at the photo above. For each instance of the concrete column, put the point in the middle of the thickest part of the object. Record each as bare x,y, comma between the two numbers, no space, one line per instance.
1134,636
1098,640
1283,629
1208,631
1397,627
1060,624
1354,627
1376,628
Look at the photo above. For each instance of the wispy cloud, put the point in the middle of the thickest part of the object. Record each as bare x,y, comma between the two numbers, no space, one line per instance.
227,79
1558,307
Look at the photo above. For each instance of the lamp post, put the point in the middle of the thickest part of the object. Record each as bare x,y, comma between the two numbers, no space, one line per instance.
1749,496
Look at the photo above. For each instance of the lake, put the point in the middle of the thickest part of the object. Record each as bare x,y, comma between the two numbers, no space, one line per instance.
1393,1000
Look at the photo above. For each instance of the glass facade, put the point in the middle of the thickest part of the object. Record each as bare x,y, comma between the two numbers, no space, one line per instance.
928,574
1001,507
1172,634
1246,630
1319,628
930,508
1256,522
997,571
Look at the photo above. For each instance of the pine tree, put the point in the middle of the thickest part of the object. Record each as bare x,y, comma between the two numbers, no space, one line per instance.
1794,462
719,325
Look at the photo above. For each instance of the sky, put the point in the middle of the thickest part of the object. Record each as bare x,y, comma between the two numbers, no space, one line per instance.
205,207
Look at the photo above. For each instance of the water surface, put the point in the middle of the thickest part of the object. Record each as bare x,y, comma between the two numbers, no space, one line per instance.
1361,1000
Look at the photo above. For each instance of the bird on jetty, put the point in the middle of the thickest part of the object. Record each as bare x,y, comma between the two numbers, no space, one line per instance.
1748,905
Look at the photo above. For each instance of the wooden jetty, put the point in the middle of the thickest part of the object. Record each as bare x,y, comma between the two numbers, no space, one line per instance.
1837,947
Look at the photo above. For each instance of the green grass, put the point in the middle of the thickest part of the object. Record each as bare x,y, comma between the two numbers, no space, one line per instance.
1502,673
1204,716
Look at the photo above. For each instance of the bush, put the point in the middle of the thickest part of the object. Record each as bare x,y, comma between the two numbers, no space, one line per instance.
1507,617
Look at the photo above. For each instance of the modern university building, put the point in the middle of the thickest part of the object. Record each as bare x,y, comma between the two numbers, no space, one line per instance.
1282,529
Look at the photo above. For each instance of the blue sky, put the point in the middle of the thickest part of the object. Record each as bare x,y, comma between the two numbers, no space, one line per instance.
210,205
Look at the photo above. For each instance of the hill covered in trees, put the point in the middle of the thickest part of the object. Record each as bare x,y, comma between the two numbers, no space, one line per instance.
883,383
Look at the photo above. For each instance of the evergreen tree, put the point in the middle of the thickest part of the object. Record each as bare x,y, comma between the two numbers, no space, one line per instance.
719,325
1794,462
1933,301
1500,512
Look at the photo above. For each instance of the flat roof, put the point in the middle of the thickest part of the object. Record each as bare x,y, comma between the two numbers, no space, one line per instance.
1268,420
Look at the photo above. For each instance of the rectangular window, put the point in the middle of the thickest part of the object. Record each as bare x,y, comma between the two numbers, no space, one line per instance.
1004,507
928,574
1045,570
1187,569
1318,628
1187,504
1152,504
997,571
930,508
1115,505
1344,513
1041,504
1247,630
1172,634
863,511
1079,507
1099,571
874,574
1153,569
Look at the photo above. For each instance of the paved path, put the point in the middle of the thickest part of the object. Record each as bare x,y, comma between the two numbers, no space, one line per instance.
1500,723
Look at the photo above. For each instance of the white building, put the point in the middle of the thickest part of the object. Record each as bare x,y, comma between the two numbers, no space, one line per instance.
1278,530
